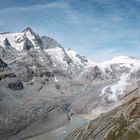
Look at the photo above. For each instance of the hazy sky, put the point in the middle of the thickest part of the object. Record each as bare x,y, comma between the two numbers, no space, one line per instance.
99,29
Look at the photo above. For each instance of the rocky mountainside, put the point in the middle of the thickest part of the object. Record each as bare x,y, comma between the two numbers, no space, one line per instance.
42,84
36,76
121,123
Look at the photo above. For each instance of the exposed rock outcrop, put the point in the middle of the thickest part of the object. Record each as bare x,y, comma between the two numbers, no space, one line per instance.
16,85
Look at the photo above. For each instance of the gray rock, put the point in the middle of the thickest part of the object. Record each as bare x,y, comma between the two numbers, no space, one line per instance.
16,85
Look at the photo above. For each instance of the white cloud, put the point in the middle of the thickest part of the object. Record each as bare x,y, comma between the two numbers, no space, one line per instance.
53,5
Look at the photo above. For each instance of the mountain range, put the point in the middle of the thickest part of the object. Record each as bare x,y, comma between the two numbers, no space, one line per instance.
42,84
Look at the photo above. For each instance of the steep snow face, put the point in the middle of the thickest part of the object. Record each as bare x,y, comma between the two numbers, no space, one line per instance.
57,56
13,38
49,43
78,59
68,57
17,40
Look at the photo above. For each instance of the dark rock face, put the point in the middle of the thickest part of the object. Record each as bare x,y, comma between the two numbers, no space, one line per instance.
82,58
67,58
7,43
28,29
5,71
47,74
16,85
28,45
49,42
2,64
38,42
96,72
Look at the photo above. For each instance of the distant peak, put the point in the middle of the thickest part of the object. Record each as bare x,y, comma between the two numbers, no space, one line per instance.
28,29
121,56
124,57
4,33
121,59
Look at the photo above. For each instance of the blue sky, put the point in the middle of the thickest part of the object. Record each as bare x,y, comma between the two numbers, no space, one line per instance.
99,29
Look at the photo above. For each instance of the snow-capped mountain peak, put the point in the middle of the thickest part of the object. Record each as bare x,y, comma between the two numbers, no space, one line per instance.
120,62
28,29
125,69
124,59
61,57
17,40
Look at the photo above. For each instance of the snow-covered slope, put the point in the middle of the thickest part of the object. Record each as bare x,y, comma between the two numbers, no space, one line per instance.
122,59
125,69
68,57
120,62
17,40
